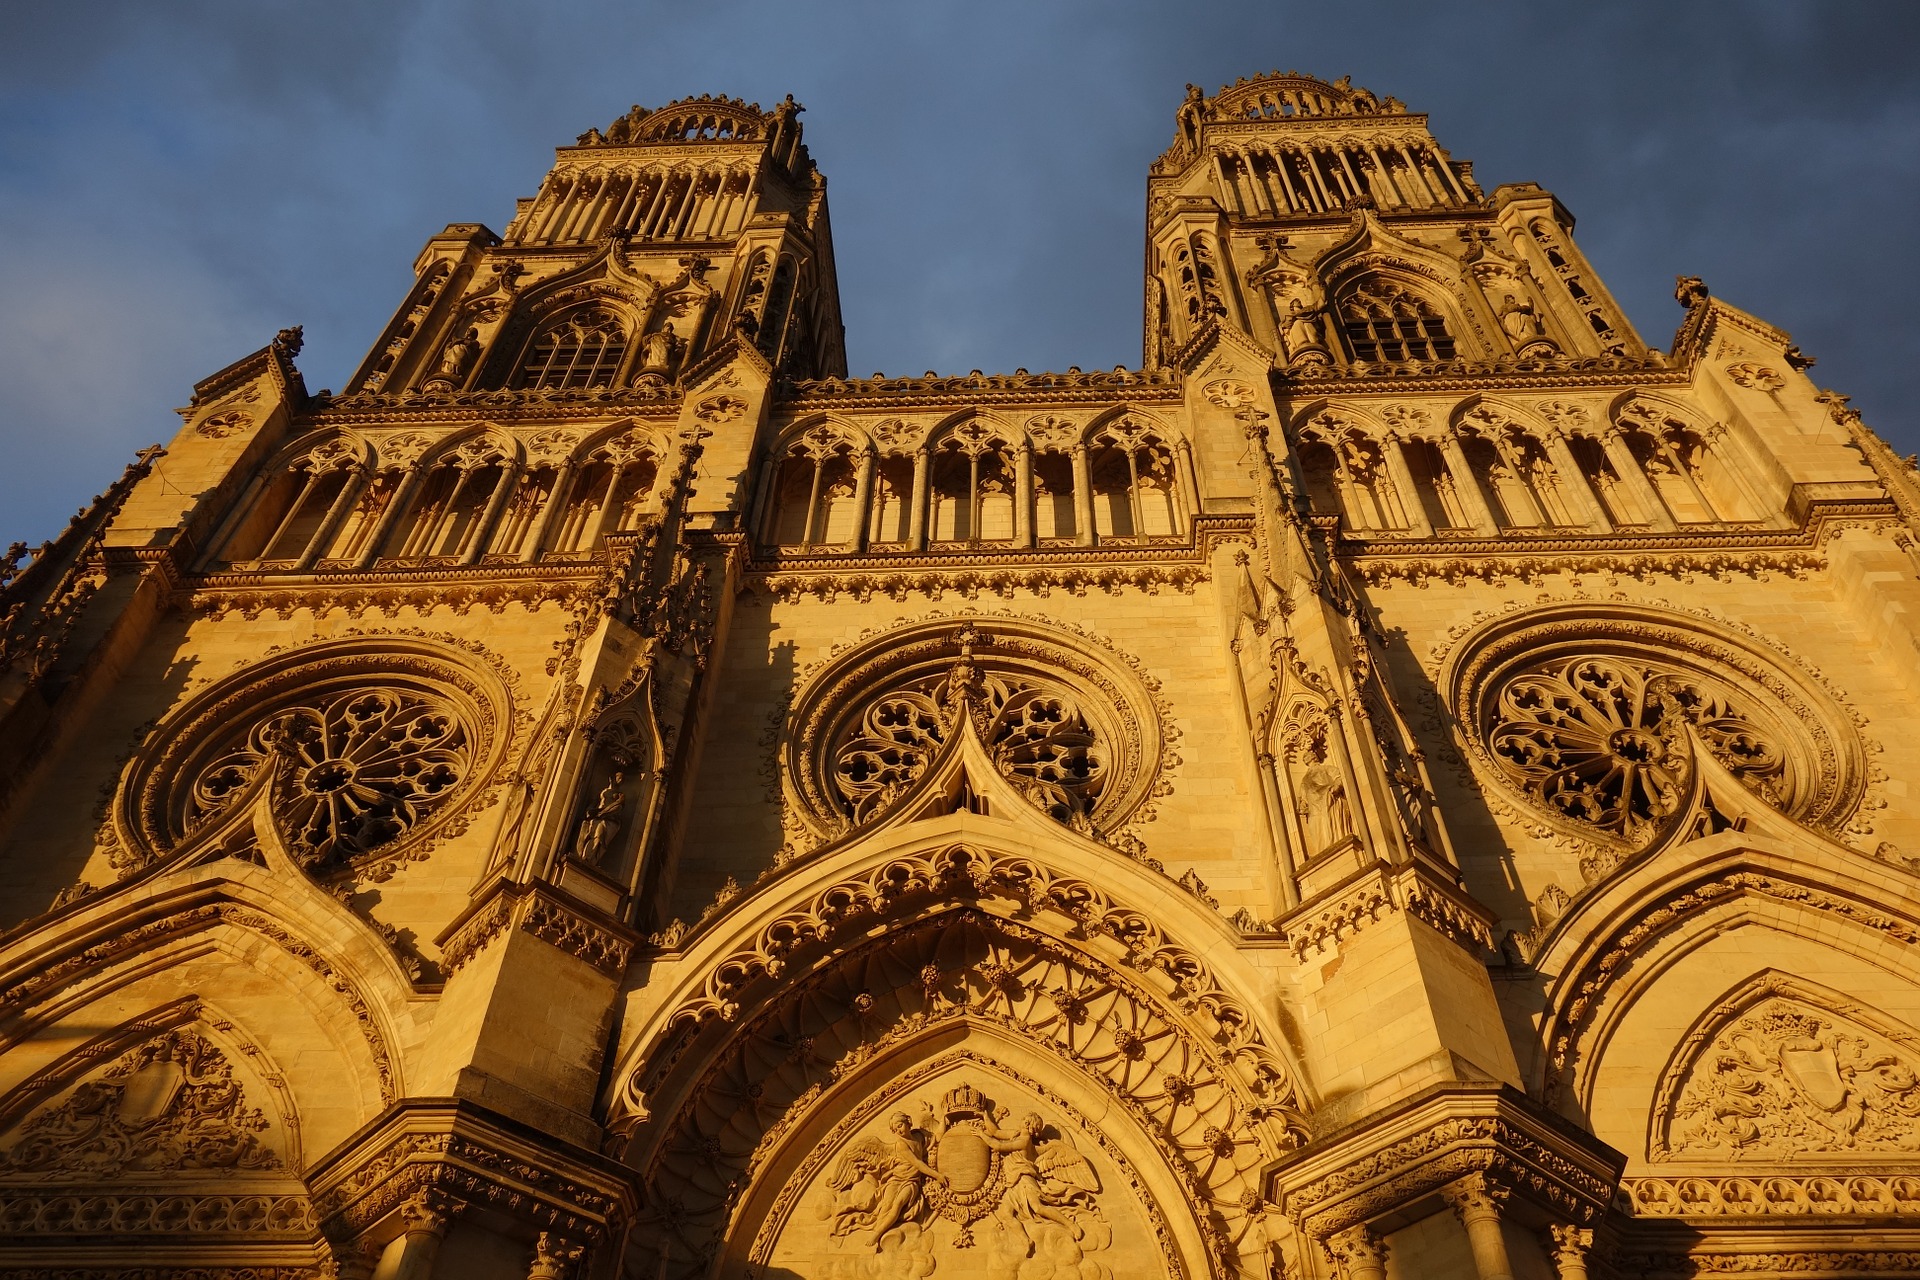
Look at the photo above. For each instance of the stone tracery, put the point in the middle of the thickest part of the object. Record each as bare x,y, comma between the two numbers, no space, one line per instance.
1078,737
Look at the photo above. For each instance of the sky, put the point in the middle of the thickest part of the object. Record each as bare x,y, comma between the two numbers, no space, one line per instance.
180,180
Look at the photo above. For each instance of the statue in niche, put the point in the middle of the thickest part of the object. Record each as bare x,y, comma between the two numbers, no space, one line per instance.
657,349
602,822
1522,325
877,1183
1304,332
1327,814
453,359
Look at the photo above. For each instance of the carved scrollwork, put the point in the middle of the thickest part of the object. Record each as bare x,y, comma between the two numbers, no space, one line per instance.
171,1103
376,746
1592,714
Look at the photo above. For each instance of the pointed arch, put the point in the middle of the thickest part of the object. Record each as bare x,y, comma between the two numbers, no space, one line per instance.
974,946
295,515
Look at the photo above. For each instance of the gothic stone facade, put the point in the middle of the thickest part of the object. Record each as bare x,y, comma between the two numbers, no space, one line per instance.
1406,783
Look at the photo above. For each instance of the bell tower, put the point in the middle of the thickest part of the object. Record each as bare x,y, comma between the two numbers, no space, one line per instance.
1330,224
646,247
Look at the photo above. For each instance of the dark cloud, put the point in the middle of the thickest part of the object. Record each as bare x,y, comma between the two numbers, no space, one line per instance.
177,181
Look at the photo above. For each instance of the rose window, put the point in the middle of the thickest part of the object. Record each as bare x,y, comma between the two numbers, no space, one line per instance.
1603,741
1037,735
1596,715
365,768
368,748
1065,720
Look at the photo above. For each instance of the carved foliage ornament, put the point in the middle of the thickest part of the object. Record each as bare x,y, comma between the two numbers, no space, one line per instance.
1592,714
1786,1078
1076,734
375,747
172,1103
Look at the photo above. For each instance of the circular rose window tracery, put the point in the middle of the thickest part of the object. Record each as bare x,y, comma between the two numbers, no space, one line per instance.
1591,715
1067,725
376,748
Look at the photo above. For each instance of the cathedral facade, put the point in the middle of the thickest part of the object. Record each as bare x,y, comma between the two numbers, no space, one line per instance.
1407,782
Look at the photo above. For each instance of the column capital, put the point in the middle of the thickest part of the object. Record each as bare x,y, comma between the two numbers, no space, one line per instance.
1475,1196
1357,1246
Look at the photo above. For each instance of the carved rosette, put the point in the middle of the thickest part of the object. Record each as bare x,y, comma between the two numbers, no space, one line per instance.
375,747
1593,716
1072,729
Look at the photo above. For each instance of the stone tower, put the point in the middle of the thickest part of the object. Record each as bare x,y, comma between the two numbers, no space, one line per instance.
1407,783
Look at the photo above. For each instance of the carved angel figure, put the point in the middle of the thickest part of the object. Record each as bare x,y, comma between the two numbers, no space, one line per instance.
877,1184
1047,1180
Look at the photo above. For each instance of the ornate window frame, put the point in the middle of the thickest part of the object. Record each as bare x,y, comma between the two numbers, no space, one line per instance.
154,811
1121,708
1823,770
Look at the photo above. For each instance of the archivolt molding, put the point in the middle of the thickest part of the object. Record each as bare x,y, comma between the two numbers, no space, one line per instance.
1189,1067
1585,713
1628,934
1784,1069
381,744
62,966
869,720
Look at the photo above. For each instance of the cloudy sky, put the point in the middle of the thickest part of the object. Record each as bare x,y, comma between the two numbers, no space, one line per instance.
179,180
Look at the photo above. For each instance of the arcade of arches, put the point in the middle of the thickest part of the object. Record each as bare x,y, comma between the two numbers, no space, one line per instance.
1407,782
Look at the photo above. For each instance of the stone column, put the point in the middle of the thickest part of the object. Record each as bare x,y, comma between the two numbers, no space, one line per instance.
863,498
1023,495
424,1221
482,532
1082,497
556,503
1477,1201
1361,1255
396,507
1402,477
1569,1249
553,1258
336,515
1574,481
917,518
1467,485
1627,467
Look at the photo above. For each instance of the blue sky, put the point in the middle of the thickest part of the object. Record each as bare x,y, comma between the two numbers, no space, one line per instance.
178,181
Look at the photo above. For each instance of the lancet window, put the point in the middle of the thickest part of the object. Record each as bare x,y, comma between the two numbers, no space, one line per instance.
1387,322
1347,471
297,518
1441,501
1689,478
604,493
583,348
973,486
815,491
892,501
460,496
1135,485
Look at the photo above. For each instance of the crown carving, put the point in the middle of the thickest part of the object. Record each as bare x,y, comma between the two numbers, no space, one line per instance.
965,1100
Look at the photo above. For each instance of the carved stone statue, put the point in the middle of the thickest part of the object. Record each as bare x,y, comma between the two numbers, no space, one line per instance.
657,348
1190,115
453,359
602,823
1689,291
1518,319
1327,813
877,1183
1304,332
1044,1181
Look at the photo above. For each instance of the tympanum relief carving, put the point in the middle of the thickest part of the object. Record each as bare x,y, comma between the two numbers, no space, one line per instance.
1786,1080
952,1180
170,1104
